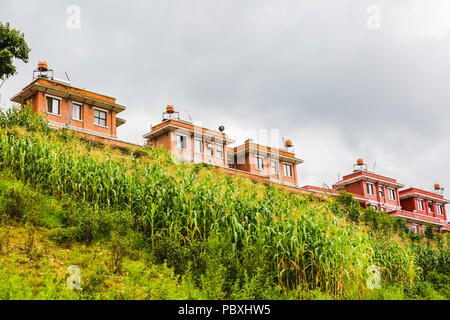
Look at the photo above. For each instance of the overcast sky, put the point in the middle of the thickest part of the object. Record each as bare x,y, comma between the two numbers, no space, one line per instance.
342,79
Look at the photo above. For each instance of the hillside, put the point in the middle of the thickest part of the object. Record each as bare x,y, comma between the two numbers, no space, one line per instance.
140,226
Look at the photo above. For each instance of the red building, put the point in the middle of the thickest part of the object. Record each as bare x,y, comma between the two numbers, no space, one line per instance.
418,207
422,206
371,189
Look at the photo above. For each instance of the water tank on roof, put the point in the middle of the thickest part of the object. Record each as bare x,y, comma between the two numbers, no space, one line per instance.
42,66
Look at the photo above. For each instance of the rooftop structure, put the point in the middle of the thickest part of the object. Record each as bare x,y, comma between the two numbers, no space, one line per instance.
65,106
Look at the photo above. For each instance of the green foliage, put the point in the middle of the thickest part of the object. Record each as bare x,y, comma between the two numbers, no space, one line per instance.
12,46
23,117
217,237
429,233
350,204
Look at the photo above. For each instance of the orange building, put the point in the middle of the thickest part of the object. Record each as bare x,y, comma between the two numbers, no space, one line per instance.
190,142
275,164
193,143
90,114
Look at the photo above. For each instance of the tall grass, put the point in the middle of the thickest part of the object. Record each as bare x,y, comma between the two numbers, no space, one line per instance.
190,214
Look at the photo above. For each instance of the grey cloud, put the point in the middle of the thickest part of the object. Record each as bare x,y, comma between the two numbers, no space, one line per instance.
309,68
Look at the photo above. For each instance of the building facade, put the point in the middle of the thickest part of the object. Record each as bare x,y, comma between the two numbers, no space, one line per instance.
196,144
417,206
188,141
88,113
275,164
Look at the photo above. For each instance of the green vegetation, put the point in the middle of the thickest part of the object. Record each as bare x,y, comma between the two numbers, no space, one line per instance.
142,227
12,46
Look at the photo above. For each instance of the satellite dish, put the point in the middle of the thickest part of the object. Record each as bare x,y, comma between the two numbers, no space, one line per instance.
221,128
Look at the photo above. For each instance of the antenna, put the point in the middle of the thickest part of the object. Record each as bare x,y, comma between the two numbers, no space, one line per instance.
2,82
67,76
189,115
374,165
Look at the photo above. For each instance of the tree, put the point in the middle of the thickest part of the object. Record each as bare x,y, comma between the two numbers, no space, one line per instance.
429,230
12,46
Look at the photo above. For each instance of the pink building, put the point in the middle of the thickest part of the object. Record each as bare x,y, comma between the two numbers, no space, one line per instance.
418,207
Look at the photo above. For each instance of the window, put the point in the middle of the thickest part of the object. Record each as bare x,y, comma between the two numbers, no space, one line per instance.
287,170
198,146
76,111
381,191
391,194
414,228
209,149
219,151
259,163
374,207
369,188
52,105
430,207
439,209
181,142
420,204
274,166
100,118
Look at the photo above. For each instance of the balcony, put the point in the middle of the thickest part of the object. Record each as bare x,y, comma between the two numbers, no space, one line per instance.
417,217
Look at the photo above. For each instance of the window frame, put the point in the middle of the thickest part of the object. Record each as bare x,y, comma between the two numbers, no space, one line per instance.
218,146
439,209
272,161
195,146
179,135
257,157
210,145
391,194
420,206
371,188
106,117
430,207
381,191
80,105
53,98
291,173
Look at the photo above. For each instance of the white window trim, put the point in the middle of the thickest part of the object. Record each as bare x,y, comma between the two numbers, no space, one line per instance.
439,209
176,141
292,170
430,210
256,163
52,96
391,191
81,108
101,109
56,98
381,192
367,187
418,206
206,152
221,147
201,144
276,166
